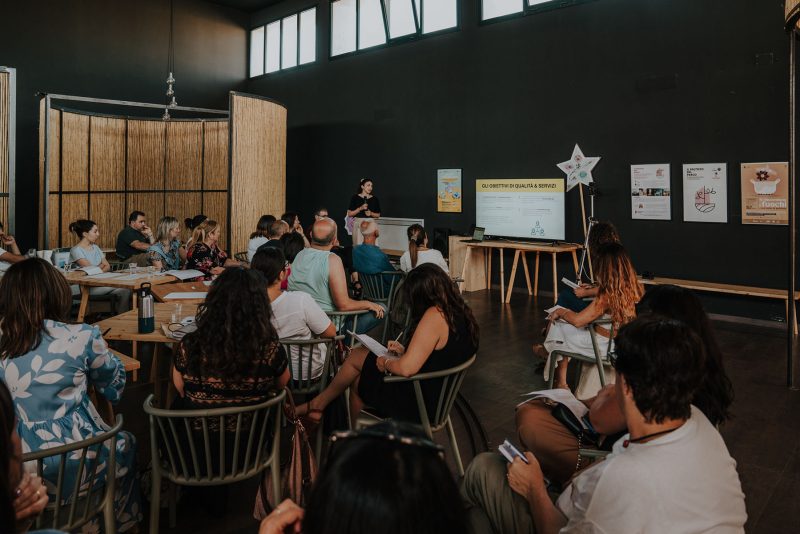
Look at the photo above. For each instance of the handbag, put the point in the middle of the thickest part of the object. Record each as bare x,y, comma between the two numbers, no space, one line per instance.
297,476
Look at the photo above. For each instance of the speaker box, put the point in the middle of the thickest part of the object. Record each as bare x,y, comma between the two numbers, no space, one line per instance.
441,240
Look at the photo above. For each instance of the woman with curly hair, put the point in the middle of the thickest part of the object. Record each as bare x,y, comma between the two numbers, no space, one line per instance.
618,292
443,334
233,358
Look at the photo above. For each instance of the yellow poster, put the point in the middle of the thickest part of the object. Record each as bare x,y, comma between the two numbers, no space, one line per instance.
448,197
765,193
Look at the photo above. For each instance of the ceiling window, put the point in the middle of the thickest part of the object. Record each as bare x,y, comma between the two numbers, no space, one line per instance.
284,43
495,9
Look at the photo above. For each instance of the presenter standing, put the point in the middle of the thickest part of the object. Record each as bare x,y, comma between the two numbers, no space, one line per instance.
364,203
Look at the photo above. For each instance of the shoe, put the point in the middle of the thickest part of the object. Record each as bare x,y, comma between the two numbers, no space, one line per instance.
539,351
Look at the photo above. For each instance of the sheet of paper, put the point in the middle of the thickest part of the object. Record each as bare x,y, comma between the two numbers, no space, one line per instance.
569,283
105,275
373,346
184,275
563,396
186,295
91,270
132,277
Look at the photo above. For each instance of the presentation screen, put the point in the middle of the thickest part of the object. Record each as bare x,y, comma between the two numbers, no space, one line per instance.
531,208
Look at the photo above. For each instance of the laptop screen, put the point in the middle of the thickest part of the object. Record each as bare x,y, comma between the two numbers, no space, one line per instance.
477,235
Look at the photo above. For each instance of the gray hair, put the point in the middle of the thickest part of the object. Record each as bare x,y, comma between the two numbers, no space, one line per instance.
368,228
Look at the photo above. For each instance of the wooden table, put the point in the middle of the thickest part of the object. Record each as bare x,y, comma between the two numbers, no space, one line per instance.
85,282
520,250
161,291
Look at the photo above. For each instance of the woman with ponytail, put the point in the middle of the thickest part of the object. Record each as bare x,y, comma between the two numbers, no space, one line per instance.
418,251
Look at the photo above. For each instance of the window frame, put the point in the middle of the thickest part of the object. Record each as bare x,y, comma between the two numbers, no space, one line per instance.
528,10
279,20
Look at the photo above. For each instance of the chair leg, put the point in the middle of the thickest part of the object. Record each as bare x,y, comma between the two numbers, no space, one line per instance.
318,446
155,500
275,473
109,515
454,445
173,498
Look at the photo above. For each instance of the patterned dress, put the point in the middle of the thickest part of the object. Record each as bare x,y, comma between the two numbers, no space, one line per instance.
204,258
49,387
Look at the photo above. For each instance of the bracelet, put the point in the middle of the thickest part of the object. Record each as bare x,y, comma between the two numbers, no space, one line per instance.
386,370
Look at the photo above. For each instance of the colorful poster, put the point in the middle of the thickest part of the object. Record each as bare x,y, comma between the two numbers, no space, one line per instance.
650,192
705,192
765,193
449,191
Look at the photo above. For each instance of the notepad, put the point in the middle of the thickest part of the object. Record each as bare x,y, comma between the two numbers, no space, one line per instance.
373,346
102,275
186,295
184,275
567,282
92,270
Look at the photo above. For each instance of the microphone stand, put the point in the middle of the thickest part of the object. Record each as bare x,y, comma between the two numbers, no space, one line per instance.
585,253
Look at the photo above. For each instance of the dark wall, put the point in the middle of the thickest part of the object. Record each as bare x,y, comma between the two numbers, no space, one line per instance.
510,99
114,50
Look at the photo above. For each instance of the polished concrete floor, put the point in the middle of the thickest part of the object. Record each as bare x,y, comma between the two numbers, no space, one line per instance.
763,437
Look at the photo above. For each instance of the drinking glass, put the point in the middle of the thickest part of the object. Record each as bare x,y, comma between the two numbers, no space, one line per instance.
132,268
176,313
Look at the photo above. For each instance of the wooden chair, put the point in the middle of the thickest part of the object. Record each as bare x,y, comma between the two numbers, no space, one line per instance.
257,432
440,418
598,359
88,497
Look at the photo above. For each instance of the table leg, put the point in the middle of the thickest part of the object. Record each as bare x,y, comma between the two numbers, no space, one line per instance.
135,356
577,267
527,274
84,303
513,275
154,378
536,276
488,255
464,269
502,277
555,279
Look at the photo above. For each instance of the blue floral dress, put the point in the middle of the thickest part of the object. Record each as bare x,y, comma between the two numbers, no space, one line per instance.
49,387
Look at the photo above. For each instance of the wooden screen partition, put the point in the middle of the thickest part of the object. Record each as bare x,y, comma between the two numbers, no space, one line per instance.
258,164
7,145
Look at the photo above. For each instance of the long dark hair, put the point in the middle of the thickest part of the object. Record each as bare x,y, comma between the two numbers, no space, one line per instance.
602,233
715,395
428,285
234,331
289,217
392,484
262,228
618,289
30,292
8,460
416,238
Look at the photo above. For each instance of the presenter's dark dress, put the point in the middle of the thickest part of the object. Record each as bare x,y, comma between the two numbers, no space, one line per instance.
397,400
373,204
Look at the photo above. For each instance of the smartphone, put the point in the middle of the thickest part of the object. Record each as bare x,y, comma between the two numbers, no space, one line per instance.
509,452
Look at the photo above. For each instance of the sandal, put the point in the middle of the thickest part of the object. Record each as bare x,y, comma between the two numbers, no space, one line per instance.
539,351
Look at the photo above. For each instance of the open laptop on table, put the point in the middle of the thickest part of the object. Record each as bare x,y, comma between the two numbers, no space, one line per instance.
477,235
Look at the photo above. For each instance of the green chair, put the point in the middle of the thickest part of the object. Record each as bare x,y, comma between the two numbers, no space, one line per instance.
74,507
257,434
338,319
598,359
440,418
377,290
241,257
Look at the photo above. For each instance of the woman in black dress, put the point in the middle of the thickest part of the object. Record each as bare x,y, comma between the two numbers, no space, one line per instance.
363,203
444,334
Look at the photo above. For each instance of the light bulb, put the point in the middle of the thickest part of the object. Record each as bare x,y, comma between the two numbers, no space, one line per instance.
170,91
173,102
170,79
165,116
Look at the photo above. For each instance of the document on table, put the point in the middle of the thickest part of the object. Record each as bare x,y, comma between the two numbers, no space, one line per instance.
372,345
92,270
184,275
102,275
561,396
186,295
133,277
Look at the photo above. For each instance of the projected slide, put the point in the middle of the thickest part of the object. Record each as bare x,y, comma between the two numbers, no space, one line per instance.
531,208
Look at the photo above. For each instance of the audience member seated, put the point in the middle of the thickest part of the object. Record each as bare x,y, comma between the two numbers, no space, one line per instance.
9,250
388,478
293,220
49,364
618,292
671,473
233,358
556,448
260,236
321,213
204,254
318,272
293,244
572,299
135,239
295,314
23,495
277,230
445,334
191,224
367,257
418,251
166,254
87,254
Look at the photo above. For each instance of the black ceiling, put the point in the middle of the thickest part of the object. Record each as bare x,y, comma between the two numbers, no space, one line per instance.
248,6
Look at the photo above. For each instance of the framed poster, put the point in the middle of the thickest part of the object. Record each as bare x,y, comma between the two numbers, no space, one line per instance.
448,197
650,192
765,193
705,192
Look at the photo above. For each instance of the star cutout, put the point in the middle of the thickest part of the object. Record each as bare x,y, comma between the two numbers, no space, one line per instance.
578,168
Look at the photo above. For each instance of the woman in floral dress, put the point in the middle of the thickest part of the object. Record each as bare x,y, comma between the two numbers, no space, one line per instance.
48,365
204,254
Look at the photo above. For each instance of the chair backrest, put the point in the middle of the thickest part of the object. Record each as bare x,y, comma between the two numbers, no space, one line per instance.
257,433
301,362
93,489
241,256
451,383
381,287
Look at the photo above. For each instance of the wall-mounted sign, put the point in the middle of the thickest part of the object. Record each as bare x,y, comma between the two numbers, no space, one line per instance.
448,196
765,192
705,192
650,192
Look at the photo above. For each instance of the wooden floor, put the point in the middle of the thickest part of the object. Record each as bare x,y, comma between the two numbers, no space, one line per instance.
763,437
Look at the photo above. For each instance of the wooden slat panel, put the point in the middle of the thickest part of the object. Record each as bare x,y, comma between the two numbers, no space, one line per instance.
107,154
55,147
54,239
184,154
108,211
74,207
75,152
152,204
182,206
5,111
216,155
145,155
4,212
215,206
258,157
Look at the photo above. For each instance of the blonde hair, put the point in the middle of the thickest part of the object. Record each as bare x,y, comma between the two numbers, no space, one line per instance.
618,289
202,230
165,226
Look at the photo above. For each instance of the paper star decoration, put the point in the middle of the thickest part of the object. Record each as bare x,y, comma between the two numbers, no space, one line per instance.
579,168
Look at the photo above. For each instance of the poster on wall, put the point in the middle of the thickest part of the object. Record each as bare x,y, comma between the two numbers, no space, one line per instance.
765,193
650,192
705,192
448,197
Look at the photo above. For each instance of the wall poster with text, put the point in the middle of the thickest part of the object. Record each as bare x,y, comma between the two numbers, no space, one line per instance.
650,192
765,193
705,192
448,197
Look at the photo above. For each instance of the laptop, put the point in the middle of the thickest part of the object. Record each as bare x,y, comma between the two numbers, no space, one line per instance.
477,235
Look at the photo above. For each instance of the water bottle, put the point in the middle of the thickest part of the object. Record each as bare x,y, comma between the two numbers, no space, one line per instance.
147,320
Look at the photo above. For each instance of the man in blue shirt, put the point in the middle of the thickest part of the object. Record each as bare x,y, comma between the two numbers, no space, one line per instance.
367,257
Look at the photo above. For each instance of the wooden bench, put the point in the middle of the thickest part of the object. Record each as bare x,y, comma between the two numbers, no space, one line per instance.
731,289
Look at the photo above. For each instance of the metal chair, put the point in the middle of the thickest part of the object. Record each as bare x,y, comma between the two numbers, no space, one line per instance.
597,359
440,419
88,494
376,290
338,319
241,256
171,431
